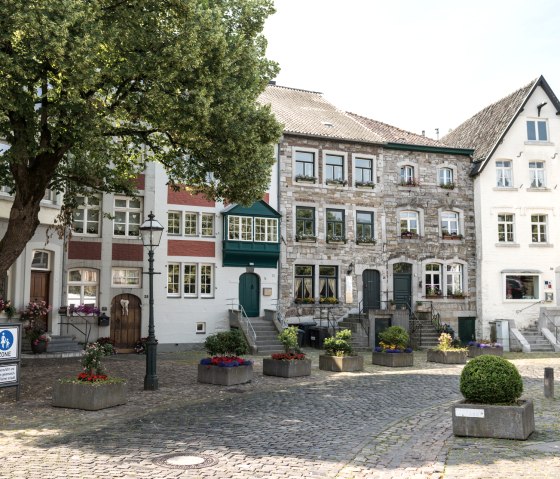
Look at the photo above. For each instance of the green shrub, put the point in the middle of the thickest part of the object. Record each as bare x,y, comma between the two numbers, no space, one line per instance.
394,337
340,344
289,339
490,380
227,343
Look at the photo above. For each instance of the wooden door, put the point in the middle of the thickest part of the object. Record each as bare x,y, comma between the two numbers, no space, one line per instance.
126,321
249,294
40,287
372,289
402,284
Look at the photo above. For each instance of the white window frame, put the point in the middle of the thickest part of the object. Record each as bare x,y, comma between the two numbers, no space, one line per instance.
407,175
446,176
432,283
270,234
82,284
537,133
177,269
177,274
86,207
537,174
515,278
454,279
43,253
448,218
177,223
540,221
189,223
127,274
506,227
128,211
204,229
409,216
504,174
183,277
241,229
209,285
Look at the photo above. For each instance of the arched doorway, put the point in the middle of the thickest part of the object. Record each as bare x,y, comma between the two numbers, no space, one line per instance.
402,284
371,290
126,321
249,296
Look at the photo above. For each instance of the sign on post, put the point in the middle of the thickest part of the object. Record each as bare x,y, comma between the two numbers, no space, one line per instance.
10,355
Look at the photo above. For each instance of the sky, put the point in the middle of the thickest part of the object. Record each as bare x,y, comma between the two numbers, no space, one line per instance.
415,64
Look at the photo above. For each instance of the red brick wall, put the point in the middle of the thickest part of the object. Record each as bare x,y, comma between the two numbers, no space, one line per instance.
183,197
141,181
84,250
191,248
266,198
128,252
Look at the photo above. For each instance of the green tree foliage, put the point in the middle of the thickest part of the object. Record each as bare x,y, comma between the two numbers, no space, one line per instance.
289,339
93,89
340,344
395,336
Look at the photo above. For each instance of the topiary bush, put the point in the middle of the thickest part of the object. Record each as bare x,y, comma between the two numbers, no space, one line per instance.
394,337
340,344
289,339
491,380
226,343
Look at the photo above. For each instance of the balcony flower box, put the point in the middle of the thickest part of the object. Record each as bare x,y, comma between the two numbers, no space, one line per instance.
303,238
365,184
447,186
364,240
451,237
305,179
409,235
336,239
336,182
408,183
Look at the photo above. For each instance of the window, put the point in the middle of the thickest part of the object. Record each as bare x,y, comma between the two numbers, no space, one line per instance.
125,277
445,176
305,164
505,228
305,222
173,274
454,279
49,196
408,222
334,168
538,228
522,287
206,280
303,282
266,230
364,226
127,217
189,279
432,281
82,287
173,223
407,176
85,218
363,171
190,227
536,171
240,228
335,225
200,328
327,282
537,130
503,174
449,223
207,228
40,260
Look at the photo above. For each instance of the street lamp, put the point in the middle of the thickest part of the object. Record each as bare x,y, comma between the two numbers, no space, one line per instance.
151,232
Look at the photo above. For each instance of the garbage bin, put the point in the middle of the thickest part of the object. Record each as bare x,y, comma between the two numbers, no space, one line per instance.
317,336
300,336
306,328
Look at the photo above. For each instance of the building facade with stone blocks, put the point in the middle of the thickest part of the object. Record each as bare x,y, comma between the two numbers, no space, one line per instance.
372,215
515,173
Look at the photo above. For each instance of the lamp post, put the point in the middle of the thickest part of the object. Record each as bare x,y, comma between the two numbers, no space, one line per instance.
151,232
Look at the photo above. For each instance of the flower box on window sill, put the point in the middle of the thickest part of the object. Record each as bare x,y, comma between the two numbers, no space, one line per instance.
328,300
336,182
309,301
365,184
305,179
456,296
406,184
451,237
370,241
306,238
336,240
447,186
409,235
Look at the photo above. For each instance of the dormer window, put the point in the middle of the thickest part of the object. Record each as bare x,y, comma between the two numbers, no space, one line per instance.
537,130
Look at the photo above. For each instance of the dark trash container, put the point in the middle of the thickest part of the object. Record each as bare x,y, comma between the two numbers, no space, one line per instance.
300,335
306,328
317,336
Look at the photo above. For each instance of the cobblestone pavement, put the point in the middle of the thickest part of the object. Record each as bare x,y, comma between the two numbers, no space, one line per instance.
380,423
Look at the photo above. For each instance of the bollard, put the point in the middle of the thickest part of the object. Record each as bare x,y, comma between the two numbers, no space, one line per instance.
549,383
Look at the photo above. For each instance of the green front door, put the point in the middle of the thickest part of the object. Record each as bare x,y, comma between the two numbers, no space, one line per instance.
402,284
467,330
249,294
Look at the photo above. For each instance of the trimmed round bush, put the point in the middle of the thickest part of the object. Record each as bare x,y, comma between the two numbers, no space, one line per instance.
395,336
490,380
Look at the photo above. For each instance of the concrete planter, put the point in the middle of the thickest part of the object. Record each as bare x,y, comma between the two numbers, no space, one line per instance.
474,351
447,357
489,420
392,360
341,364
90,397
286,369
210,374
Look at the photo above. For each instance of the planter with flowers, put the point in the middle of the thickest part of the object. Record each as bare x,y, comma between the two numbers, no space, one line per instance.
492,387
290,364
393,350
92,389
339,356
448,351
478,348
6,309
37,336
225,366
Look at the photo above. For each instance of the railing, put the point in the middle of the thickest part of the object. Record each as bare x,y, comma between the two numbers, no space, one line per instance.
244,321
415,325
517,311
555,329
363,318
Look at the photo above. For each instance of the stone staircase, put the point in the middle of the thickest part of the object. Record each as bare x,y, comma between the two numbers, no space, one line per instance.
360,340
59,346
536,340
267,336
426,336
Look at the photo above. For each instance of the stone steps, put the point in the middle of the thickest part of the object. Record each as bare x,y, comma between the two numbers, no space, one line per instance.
536,340
266,336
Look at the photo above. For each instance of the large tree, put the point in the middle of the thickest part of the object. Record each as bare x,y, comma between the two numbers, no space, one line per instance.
92,89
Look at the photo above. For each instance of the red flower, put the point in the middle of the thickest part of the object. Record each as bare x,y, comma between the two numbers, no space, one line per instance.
92,377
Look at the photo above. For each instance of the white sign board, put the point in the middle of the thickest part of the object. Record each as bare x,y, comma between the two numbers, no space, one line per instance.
463,412
9,343
9,374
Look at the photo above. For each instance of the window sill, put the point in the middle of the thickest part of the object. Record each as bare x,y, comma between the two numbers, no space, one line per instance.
507,245
538,143
505,188
538,189
541,245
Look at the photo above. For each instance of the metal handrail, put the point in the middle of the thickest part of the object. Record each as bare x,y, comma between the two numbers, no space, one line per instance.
244,321
554,326
517,311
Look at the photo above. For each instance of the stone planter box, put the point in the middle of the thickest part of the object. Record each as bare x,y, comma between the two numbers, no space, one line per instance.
392,360
474,351
211,374
489,420
341,364
90,397
447,357
286,369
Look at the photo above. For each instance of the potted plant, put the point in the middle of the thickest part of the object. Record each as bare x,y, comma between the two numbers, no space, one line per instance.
433,292
7,309
328,300
225,366
478,348
393,350
448,351
37,336
292,362
92,389
492,387
339,356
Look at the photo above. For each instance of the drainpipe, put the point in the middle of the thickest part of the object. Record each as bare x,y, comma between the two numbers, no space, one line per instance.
278,271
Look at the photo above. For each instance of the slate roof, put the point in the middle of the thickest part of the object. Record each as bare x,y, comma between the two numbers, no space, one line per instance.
484,131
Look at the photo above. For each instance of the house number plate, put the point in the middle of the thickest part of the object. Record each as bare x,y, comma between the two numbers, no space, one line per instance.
462,412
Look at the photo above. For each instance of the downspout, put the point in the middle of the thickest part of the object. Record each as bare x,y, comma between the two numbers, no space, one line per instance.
279,275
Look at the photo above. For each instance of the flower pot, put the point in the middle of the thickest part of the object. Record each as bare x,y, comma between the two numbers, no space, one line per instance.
39,347
286,368
341,363
495,421
447,357
88,396
224,376
475,351
392,360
